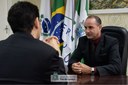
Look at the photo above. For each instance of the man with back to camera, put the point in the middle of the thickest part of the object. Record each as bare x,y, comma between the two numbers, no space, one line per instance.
23,57
99,51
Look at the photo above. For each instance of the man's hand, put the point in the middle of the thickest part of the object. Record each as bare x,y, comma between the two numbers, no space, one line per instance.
81,68
76,68
85,69
53,42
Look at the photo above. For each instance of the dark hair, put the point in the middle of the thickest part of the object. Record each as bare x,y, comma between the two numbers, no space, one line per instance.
22,15
98,20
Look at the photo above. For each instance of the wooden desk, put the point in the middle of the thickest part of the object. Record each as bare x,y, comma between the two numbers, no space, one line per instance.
97,80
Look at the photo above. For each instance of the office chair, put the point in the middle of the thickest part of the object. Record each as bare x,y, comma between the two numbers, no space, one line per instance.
122,35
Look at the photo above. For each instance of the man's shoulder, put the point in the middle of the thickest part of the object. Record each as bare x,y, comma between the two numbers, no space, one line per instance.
45,46
83,38
110,38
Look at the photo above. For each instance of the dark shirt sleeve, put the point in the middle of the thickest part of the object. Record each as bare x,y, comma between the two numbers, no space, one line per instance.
114,64
75,57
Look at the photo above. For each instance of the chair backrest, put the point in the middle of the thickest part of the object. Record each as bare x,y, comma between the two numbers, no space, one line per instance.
122,35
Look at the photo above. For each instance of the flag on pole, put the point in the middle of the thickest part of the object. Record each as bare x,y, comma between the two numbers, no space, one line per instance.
57,20
45,17
80,17
83,11
67,31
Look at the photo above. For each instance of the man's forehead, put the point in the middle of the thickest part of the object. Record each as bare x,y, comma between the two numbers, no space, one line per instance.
90,21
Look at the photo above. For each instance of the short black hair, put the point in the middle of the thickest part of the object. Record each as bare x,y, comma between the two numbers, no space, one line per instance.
22,15
98,20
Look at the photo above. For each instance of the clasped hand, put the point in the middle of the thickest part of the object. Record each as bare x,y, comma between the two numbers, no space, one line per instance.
81,68
53,42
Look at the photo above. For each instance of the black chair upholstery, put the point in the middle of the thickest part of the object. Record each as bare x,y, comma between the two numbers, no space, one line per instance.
122,35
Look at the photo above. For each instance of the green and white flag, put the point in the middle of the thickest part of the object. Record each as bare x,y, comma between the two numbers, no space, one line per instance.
80,17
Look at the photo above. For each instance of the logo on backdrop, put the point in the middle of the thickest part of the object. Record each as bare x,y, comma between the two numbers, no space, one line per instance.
80,30
46,25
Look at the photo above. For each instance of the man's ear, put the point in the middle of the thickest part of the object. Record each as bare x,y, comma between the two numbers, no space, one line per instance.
37,23
100,26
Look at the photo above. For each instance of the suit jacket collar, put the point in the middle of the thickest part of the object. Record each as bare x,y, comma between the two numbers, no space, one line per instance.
90,53
100,46
22,34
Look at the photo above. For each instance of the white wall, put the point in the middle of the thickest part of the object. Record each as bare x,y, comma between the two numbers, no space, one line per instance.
117,19
4,6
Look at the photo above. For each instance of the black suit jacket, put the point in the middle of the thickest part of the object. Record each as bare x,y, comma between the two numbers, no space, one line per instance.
105,57
24,59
